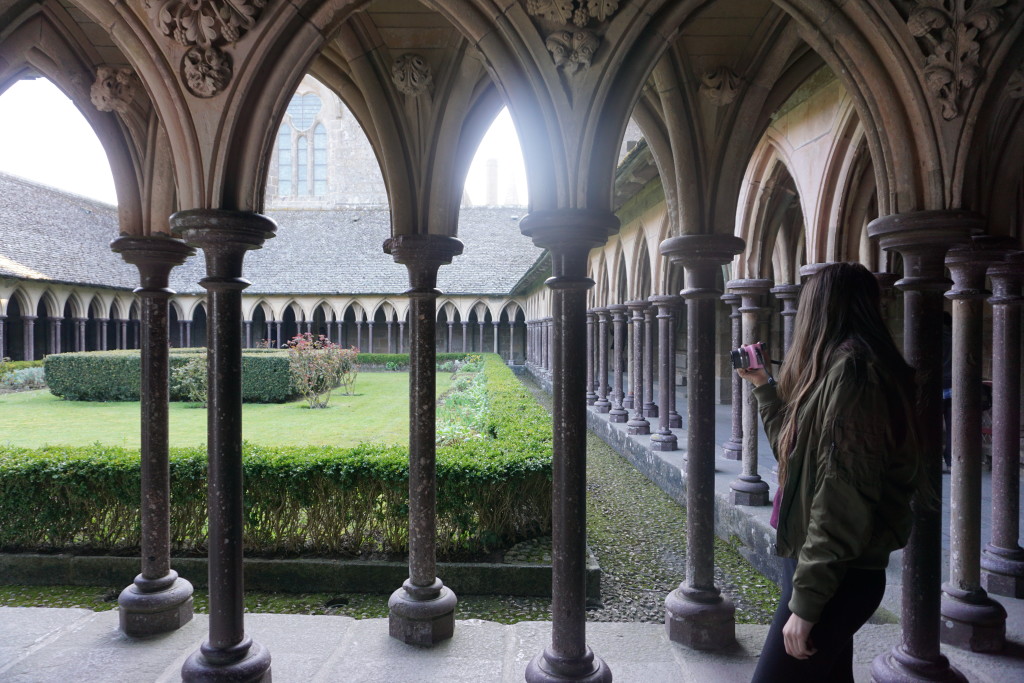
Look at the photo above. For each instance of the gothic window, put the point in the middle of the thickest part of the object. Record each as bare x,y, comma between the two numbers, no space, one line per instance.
302,149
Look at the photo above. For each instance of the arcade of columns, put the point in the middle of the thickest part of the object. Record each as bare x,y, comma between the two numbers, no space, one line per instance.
186,97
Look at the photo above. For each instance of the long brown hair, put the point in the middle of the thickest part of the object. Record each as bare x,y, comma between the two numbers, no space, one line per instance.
840,308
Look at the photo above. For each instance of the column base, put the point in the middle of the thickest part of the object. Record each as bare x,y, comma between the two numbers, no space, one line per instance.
618,415
602,406
628,403
750,490
732,450
1002,571
548,667
664,442
971,620
424,621
675,420
150,607
638,425
897,666
253,667
591,398
650,410
700,620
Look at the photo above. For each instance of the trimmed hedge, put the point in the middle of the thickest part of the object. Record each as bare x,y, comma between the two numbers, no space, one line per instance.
114,375
492,491
400,361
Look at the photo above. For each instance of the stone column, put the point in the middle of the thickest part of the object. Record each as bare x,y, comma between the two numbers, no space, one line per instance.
1002,560
224,236
664,439
359,335
638,424
188,334
480,346
3,320
80,334
448,345
788,295
568,235
603,403
248,334
422,611
511,341
591,347
495,324
629,361
340,330
733,448
922,239
29,336
158,600
465,336
650,407
617,412
696,614
279,325
675,420
369,336
122,336
749,488
391,348
401,336
55,325
971,619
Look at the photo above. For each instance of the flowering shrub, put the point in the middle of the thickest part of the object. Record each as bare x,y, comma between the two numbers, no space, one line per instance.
190,380
318,365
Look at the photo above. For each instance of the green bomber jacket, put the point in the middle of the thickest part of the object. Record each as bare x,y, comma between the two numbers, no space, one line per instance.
851,475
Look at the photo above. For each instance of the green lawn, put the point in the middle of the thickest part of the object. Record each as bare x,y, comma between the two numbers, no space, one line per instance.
378,412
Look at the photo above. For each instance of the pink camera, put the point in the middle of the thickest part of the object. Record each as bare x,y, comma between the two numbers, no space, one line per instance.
748,356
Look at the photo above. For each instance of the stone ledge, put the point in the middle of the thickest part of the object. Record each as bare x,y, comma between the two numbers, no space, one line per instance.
293,576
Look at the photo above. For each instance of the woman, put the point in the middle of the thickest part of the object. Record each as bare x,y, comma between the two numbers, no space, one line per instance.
841,425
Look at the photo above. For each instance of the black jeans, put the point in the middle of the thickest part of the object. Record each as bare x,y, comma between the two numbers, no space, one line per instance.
855,600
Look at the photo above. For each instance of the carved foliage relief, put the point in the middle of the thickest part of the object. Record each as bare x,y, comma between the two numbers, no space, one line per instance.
572,44
953,31
412,75
205,27
113,89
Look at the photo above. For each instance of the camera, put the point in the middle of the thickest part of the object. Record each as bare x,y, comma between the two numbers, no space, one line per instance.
748,356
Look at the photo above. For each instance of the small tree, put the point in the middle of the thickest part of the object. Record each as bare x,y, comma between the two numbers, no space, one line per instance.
190,379
318,365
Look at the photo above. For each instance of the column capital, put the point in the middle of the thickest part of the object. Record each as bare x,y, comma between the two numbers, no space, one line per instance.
786,291
968,262
809,270
566,230
1007,276
701,256
638,305
423,255
618,311
749,287
922,238
224,236
154,256
666,300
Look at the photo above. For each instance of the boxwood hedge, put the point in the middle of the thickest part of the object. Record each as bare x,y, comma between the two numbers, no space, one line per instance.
114,375
492,491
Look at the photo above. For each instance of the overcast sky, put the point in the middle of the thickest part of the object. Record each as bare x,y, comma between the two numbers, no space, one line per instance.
43,137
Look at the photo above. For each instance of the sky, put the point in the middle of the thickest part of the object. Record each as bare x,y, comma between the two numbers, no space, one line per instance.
43,137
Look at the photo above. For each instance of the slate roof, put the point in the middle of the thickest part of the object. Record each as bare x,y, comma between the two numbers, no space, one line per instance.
52,235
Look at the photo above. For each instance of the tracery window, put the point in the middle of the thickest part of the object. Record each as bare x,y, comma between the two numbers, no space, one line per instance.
302,149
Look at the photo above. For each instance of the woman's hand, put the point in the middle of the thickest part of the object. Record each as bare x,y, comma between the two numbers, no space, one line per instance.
796,634
756,376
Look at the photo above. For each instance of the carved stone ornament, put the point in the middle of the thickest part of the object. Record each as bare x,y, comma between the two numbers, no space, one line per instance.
412,75
204,22
954,29
113,89
720,86
572,50
206,71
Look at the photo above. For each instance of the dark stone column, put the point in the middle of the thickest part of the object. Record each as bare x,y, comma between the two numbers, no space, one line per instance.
228,654
733,448
675,420
922,239
391,345
618,413
650,407
638,424
480,346
971,619
122,334
422,611
79,333
495,326
248,334
158,600
279,325
401,336
1002,560
465,336
629,361
448,345
55,325
29,329
359,335
569,235
369,336
591,370
340,330
749,488
188,333
511,341
696,614
664,439
3,320
788,295
603,403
